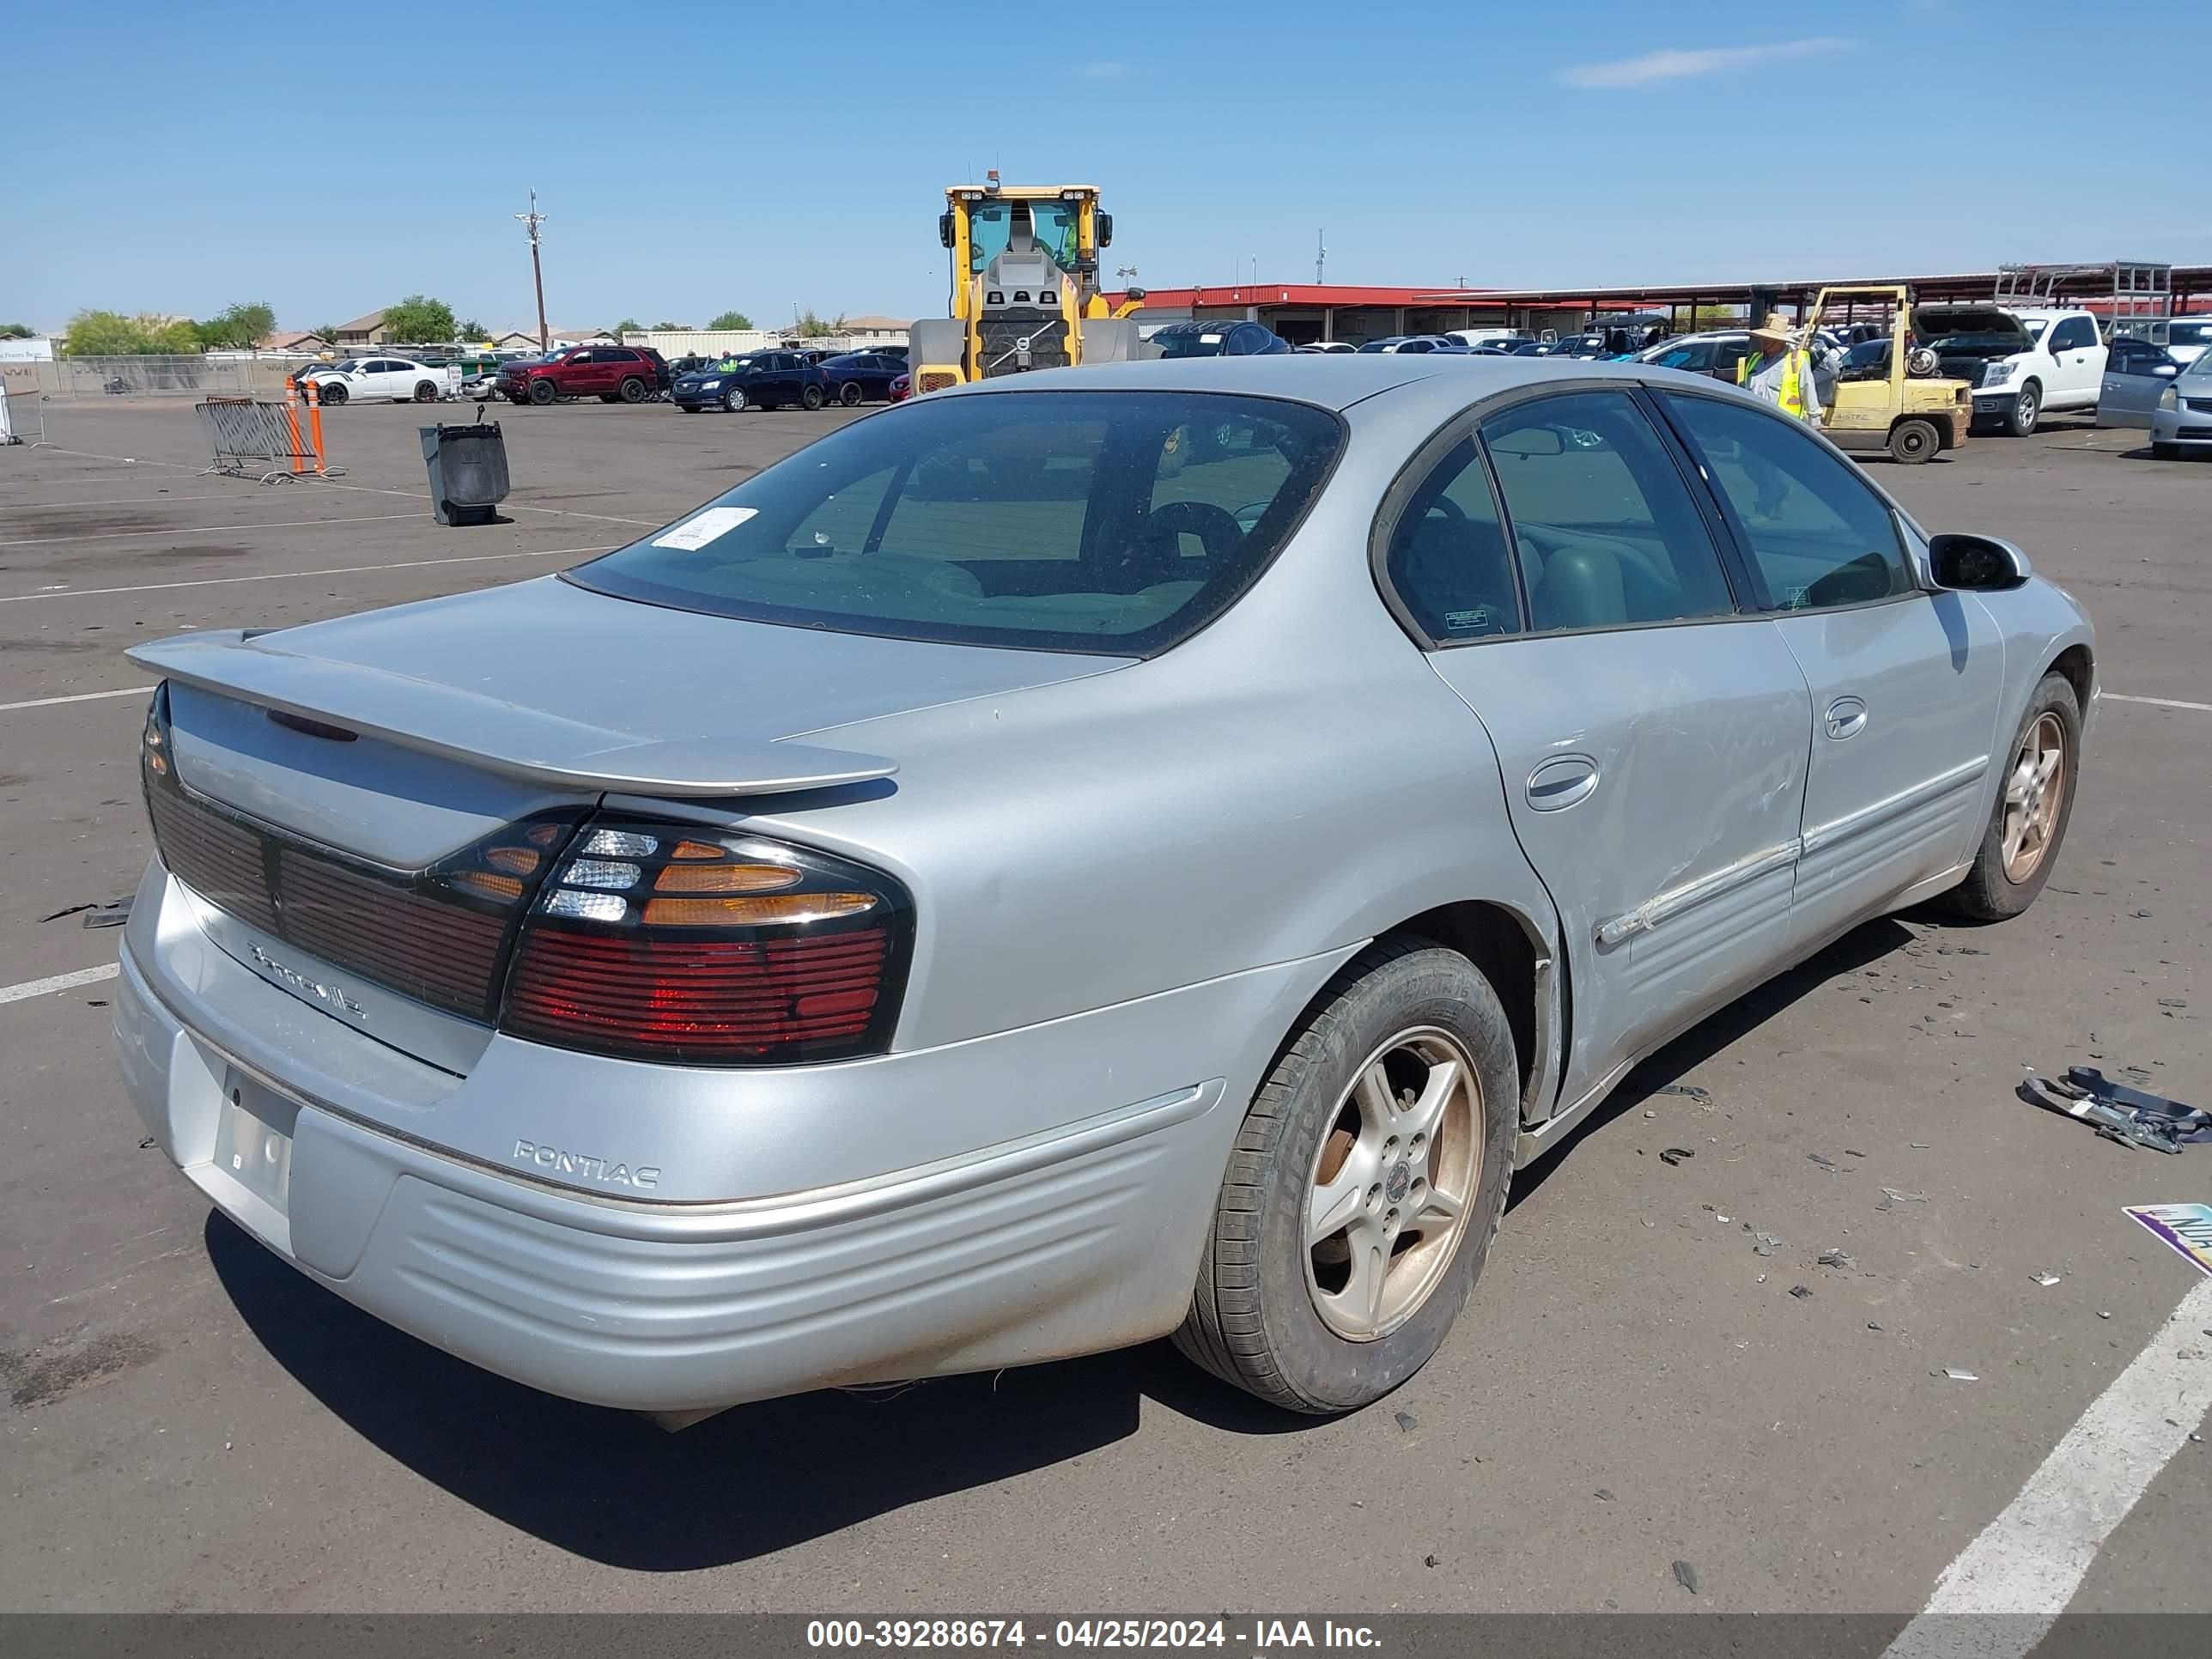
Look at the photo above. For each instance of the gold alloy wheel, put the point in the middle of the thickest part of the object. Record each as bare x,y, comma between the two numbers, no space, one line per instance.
2034,789
1393,1181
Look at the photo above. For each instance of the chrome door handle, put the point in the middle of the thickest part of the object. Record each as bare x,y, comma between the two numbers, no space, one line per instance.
1561,781
1846,717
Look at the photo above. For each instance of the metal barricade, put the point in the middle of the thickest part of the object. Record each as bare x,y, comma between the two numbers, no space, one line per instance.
23,419
246,430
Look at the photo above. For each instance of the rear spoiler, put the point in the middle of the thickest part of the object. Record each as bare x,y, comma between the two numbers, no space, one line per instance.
495,736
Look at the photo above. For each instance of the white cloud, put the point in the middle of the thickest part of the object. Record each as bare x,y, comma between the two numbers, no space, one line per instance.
1103,69
1682,65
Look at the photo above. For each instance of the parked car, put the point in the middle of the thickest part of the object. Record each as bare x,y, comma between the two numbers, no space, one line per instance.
902,388
1416,344
1218,338
857,376
612,374
1715,352
1329,347
898,351
760,379
2187,337
910,916
1503,338
402,379
2181,420
2020,363
2136,374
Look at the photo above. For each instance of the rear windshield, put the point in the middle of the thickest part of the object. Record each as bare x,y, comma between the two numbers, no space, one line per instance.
1195,343
1118,522
2193,334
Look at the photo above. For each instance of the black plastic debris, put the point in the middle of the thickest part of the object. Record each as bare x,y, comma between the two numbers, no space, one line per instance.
2134,1117
1673,1155
1835,1258
1801,1292
112,912
1687,1090
1405,1420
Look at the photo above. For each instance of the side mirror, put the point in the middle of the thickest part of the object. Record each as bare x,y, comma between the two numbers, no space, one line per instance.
1976,564
2166,371
945,228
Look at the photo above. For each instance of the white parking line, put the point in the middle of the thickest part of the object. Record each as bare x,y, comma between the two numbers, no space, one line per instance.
2158,702
288,575
81,697
38,987
2028,1562
208,529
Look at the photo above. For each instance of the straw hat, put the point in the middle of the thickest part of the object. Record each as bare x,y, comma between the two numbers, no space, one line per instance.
1775,329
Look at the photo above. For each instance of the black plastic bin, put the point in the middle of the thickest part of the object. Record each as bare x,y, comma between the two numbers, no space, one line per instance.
468,471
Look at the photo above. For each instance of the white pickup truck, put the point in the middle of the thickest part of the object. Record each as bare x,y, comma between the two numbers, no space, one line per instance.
2020,363
400,379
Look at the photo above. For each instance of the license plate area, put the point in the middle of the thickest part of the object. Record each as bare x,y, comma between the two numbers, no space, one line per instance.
253,1138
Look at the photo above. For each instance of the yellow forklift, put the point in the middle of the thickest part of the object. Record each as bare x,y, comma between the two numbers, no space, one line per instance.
1896,406
1024,286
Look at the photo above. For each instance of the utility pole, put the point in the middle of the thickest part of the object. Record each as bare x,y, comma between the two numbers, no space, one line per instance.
532,220
1320,255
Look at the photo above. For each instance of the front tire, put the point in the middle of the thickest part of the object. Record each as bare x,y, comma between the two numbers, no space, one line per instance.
2035,799
1364,1187
2024,411
734,399
542,392
811,397
333,393
1911,442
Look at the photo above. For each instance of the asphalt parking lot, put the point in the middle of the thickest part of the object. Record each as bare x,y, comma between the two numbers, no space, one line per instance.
189,1425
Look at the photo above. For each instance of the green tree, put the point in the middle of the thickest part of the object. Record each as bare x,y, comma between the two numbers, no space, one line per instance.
811,327
328,330
629,326
15,332
473,330
419,320
671,325
110,334
237,326
732,319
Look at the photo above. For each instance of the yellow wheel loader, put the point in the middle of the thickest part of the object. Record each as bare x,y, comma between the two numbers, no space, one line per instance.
1893,404
1024,286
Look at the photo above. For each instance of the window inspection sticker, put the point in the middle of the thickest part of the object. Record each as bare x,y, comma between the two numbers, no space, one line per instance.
695,531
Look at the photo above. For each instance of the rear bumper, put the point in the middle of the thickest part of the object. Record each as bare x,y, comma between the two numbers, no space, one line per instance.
1081,1236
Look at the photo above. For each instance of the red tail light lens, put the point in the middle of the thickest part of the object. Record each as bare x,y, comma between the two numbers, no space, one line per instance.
657,941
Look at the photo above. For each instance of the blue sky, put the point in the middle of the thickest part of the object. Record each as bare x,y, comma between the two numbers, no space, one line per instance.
698,156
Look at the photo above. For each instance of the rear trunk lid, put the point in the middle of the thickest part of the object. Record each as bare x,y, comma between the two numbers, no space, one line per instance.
327,771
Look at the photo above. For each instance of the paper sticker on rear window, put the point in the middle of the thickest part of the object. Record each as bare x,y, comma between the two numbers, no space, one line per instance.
695,531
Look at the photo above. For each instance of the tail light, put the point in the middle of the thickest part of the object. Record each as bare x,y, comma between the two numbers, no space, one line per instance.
662,941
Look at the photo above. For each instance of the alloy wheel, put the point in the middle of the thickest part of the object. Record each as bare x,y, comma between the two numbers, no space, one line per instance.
1392,1184
2035,788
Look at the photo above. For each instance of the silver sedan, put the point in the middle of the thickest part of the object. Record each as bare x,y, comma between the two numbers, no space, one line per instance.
1135,850
2181,419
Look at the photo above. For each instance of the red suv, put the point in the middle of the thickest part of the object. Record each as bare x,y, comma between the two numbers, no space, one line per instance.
612,374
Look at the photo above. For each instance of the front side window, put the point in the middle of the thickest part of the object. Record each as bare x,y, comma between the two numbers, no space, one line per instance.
1818,536
1695,357
1107,521
2073,334
1447,561
1608,532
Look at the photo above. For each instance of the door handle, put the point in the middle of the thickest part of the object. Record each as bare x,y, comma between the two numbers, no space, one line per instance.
1846,717
1561,781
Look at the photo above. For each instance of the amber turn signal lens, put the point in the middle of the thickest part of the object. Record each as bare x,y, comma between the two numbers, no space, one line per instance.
727,878
755,912
515,860
694,849
506,889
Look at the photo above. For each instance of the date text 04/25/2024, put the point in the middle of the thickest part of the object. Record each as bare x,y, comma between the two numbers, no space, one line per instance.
1262,1636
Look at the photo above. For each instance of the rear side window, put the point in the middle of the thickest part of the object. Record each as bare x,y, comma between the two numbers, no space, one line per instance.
1119,522
1447,561
1608,532
1819,537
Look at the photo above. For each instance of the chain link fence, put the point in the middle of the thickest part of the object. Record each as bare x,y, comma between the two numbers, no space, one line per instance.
186,373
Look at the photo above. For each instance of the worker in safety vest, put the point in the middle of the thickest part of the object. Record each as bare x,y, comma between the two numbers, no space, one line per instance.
1780,371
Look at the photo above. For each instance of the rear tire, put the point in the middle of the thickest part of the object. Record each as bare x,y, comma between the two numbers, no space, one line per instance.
2024,411
1277,1292
542,392
2020,843
1911,442
425,392
811,397
849,394
631,391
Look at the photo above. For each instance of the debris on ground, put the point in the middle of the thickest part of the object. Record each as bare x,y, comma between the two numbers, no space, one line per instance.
2186,1229
1405,1420
98,912
1764,1243
1801,1292
2133,1117
2045,1280
1604,1496
1956,1374
1673,1155
1891,1198
1687,1090
1835,1258
1431,1561
1825,1163
1686,1577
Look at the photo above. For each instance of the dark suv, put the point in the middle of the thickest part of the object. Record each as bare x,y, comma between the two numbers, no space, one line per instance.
612,374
